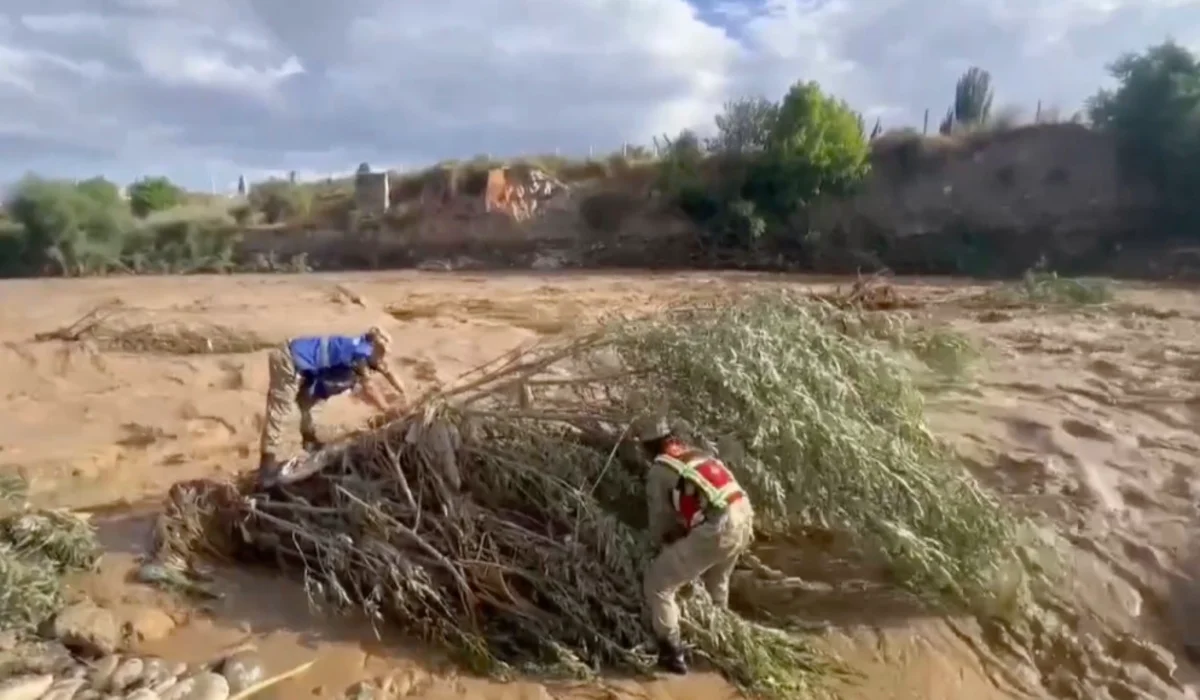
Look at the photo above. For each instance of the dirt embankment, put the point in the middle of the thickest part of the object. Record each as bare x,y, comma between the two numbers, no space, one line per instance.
984,203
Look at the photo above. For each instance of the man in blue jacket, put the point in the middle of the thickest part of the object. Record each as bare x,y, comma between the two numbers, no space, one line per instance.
308,370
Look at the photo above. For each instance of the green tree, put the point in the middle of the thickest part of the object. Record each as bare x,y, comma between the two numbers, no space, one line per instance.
1155,114
817,146
100,190
68,229
743,126
153,194
973,97
972,101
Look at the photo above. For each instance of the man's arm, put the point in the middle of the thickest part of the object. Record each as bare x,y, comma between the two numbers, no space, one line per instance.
660,511
367,389
384,369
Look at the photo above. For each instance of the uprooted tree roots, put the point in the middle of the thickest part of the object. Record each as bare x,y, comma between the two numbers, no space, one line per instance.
502,517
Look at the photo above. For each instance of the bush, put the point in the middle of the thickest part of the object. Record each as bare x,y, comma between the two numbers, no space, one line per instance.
1153,113
183,240
153,194
774,161
279,200
66,229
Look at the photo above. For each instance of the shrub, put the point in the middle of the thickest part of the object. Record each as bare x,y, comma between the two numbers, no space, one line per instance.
153,194
279,200
67,229
1153,113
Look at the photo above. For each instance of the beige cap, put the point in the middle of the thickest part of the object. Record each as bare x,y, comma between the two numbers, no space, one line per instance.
649,427
380,338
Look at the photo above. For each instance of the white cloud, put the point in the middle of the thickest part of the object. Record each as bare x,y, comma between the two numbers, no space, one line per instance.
205,90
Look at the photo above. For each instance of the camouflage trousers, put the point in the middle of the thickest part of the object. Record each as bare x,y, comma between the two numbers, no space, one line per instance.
283,388
709,552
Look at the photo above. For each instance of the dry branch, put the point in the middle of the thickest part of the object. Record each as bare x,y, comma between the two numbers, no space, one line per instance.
513,534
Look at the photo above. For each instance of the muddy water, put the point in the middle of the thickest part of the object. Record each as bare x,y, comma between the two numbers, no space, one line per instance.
1088,420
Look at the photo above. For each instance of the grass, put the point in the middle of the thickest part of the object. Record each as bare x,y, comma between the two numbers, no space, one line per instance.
1040,288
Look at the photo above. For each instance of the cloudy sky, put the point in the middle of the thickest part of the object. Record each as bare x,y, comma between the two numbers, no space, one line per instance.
202,90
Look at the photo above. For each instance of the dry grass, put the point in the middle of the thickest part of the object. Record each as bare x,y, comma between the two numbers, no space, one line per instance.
107,327
506,524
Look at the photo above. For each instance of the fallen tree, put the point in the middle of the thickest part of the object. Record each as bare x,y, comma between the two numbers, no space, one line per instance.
502,517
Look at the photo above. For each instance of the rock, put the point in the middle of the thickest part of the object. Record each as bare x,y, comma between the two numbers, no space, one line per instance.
128,673
103,670
148,625
87,629
9,640
404,683
155,671
142,694
365,690
242,669
205,686
26,687
64,690
36,657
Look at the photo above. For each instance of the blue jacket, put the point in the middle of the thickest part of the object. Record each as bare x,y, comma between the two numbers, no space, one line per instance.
329,365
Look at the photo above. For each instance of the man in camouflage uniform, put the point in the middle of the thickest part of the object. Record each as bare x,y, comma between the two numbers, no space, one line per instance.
308,370
703,521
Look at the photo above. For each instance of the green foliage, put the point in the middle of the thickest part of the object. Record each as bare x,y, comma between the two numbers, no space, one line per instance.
101,190
66,229
279,200
151,194
973,97
767,163
36,549
63,228
744,126
1155,114
829,430
972,107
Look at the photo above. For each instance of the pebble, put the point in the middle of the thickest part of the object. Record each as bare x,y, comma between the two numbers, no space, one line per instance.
155,671
26,687
103,670
242,669
87,629
64,690
128,673
205,686
143,694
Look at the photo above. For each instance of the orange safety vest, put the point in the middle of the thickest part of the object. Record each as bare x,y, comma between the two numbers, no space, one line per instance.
704,483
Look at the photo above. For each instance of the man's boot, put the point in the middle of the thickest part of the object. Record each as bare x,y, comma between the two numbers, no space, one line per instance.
268,465
670,658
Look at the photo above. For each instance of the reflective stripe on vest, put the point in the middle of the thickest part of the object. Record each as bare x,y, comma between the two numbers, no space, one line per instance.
323,353
720,496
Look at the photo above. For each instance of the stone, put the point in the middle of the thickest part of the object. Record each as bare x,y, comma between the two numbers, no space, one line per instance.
148,625
64,690
26,687
103,670
406,682
142,694
128,673
155,671
242,669
87,629
9,640
204,686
